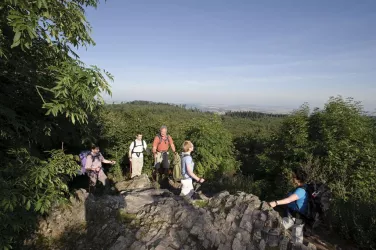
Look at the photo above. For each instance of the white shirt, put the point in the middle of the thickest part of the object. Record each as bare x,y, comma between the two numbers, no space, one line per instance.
138,148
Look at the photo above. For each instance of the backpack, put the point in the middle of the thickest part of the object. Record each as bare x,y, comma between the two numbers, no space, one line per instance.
319,197
83,155
135,145
176,171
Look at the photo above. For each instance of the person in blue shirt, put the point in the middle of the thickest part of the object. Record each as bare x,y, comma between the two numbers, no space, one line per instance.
187,166
297,203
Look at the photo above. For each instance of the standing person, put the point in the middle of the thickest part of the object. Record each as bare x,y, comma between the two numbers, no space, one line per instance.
136,156
93,166
161,145
187,166
297,206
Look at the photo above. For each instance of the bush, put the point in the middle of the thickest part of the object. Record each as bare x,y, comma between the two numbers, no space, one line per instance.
30,186
337,146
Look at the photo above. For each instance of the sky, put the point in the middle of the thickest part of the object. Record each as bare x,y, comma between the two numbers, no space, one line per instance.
271,53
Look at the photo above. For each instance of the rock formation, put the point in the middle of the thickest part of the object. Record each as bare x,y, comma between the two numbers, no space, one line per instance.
145,218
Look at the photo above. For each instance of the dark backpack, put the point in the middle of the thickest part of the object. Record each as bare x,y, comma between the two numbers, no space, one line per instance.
319,197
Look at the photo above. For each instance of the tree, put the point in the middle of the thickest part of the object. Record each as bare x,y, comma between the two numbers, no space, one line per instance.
48,29
337,146
45,90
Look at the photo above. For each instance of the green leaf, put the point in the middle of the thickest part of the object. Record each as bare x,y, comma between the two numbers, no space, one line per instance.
28,204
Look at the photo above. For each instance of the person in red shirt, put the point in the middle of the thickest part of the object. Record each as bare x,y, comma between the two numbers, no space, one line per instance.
162,143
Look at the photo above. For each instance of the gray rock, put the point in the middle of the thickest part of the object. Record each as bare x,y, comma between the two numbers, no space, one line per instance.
236,244
140,182
122,243
146,218
135,200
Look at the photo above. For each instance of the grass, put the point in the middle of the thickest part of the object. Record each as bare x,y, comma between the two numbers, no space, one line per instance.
126,217
201,203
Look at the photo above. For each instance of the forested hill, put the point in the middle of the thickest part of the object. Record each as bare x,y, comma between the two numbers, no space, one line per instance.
252,114
336,145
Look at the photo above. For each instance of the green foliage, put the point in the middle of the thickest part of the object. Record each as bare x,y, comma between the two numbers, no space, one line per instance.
337,146
201,203
213,143
30,185
214,152
236,183
252,114
356,220
43,31
45,90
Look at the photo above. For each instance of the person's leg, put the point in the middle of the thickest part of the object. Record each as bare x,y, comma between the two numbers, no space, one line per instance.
165,163
102,177
297,232
187,188
136,166
141,164
157,166
158,160
92,180
287,222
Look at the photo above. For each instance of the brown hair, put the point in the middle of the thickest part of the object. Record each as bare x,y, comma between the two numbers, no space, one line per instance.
187,145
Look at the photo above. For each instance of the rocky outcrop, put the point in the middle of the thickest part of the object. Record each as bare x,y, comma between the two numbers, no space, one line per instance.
138,182
156,219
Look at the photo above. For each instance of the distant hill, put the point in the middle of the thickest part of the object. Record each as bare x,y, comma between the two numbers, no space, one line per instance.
252,114
222,109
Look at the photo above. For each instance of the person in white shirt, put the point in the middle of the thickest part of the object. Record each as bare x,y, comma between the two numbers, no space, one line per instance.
136,156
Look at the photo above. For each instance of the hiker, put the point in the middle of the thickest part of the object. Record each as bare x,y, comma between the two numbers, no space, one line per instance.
187,166
161,145
93,166
297,206
136,156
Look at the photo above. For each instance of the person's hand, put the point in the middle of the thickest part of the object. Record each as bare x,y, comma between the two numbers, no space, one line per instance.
97,169
272,204
201,180
113,162
130,159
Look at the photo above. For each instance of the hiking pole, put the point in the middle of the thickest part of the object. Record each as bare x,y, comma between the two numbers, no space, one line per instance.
130,167
198,185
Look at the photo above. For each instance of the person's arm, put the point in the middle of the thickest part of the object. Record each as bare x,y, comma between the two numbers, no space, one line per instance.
172,144
291,198
103,160
191,174
130,150
109,162
155,144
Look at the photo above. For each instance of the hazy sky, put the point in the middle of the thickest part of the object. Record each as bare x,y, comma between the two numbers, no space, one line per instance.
237,52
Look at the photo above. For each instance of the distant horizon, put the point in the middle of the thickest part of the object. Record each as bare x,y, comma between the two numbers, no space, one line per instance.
279,53
237,107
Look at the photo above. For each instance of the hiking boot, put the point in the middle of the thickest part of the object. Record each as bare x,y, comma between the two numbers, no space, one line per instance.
202,196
